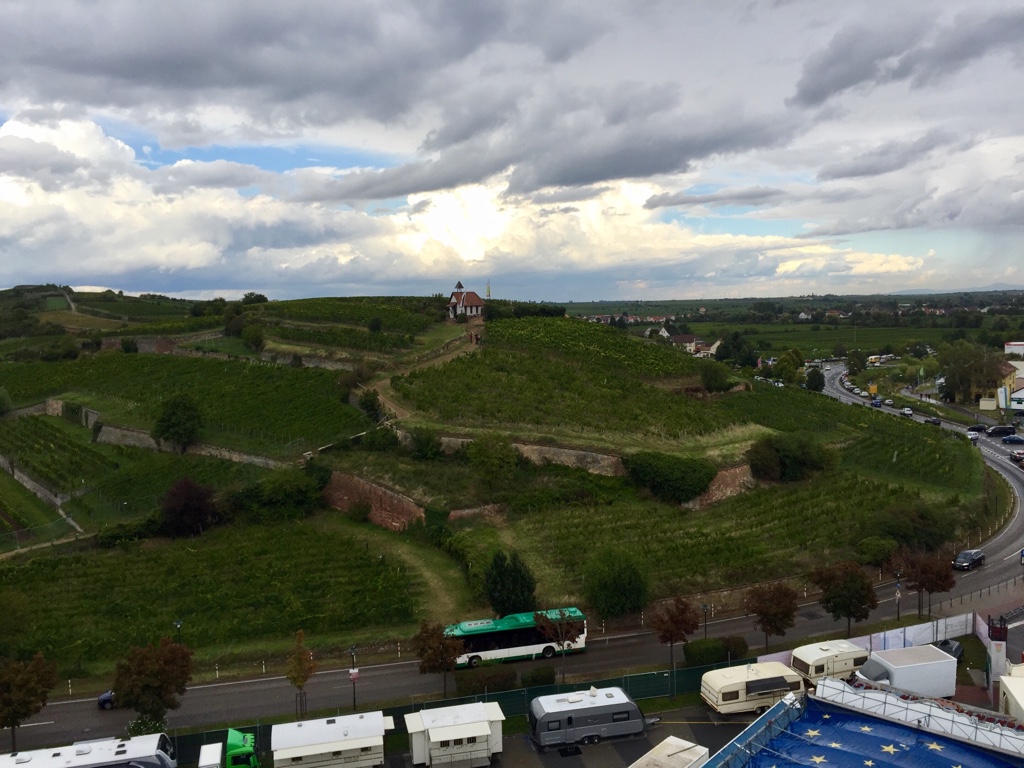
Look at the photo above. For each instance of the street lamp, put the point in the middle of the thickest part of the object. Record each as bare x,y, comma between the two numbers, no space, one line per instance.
353,673
705,607
898,595
177,626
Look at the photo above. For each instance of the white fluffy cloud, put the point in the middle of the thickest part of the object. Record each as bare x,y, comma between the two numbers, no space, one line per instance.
562,150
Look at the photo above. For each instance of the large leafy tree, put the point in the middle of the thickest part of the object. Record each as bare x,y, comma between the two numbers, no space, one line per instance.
151,679
180,421
773,607
815,380
24,688
615,584
437,651
672,623
563,629
846,592
510,586
188,508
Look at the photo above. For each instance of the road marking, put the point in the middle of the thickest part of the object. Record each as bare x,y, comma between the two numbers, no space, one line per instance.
31,725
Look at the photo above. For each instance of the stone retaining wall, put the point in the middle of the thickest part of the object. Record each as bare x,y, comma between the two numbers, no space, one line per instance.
387,509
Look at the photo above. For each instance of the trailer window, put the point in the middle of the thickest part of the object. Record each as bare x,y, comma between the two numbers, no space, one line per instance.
730,695
796,685
445,745
471,740
859,661
819,669
555,725
619,717
457,743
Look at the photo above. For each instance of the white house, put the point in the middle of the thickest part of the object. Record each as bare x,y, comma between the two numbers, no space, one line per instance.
467,734
353,741
463,302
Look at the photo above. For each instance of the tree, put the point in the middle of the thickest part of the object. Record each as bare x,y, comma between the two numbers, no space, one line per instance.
495,460
846,592
815,380
151,678
714,376
24,688
376,325
924,573
437,651
563,629
187,508
856,361
301,667
252,336
180,421
510,586
254,298
614,583
672,623
773,606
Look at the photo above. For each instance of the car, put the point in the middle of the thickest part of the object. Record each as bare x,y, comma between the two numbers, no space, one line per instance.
1013,440
890,403
106,700
1001,430
863,393
978,428
969,559
952,647
973,437
1016,456
856,390
907,411
933,420
876,403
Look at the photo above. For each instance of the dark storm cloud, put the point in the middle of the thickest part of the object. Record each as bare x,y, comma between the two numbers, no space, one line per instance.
878,54
890,156
748,196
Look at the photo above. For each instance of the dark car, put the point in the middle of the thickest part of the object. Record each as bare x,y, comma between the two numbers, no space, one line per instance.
106,700
968,559
1013,440
933,420
952,647
1000,431
978,428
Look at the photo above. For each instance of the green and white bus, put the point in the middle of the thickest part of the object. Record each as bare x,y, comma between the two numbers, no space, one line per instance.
515,636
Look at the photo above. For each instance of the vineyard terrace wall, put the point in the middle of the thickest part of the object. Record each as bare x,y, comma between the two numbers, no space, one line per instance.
387,509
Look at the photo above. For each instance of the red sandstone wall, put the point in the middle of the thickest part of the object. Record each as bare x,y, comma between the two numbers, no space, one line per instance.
387,508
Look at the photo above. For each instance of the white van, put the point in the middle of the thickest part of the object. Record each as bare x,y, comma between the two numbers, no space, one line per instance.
834,658
750,688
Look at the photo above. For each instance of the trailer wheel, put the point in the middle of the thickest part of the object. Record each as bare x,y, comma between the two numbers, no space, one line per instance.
548,652
760,710
595,739
474,662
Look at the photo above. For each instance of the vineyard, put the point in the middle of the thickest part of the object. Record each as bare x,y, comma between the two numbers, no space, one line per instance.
763,534
340,336
266,405
403,315
46,453
240,586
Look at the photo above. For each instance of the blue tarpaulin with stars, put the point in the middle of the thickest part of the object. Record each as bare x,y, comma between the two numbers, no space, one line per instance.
837,738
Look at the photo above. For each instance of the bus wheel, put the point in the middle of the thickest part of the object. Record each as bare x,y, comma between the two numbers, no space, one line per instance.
548,652
474,662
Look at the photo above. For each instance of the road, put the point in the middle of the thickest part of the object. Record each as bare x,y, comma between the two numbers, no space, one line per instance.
65,721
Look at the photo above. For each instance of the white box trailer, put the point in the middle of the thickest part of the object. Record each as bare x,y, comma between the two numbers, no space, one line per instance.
674,752
464,734
354,741
833,658
210,755
584,717
748,688
922,670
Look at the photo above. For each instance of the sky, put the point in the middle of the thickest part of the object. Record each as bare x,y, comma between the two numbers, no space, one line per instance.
555,151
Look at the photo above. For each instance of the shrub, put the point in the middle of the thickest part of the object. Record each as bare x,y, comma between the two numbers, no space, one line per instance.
129,345
702,653
672,479
130,530
494,459
537,676
426,444
876,550
714,376
471,682
369,402
789,457
735,647
359,511
187,509
380,440
6,403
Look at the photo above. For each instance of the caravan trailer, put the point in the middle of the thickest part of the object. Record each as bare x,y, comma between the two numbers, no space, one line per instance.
583,718
750,688
834,658
152,751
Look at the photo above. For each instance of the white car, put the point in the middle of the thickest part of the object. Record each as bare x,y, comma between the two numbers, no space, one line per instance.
907,411
856,390
888,402
865,394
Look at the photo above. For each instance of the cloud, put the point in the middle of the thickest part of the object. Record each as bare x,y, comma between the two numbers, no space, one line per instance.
748,196
887,157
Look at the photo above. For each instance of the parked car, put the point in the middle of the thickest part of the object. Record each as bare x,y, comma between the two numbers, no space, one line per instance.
106,700
952,647
1001,430
888,402
864,393
978,428
856,390
876,403
907,411
1016,456
1013,440
933,420
969,559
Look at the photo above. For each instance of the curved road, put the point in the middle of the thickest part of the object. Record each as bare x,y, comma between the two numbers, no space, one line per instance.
63,722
